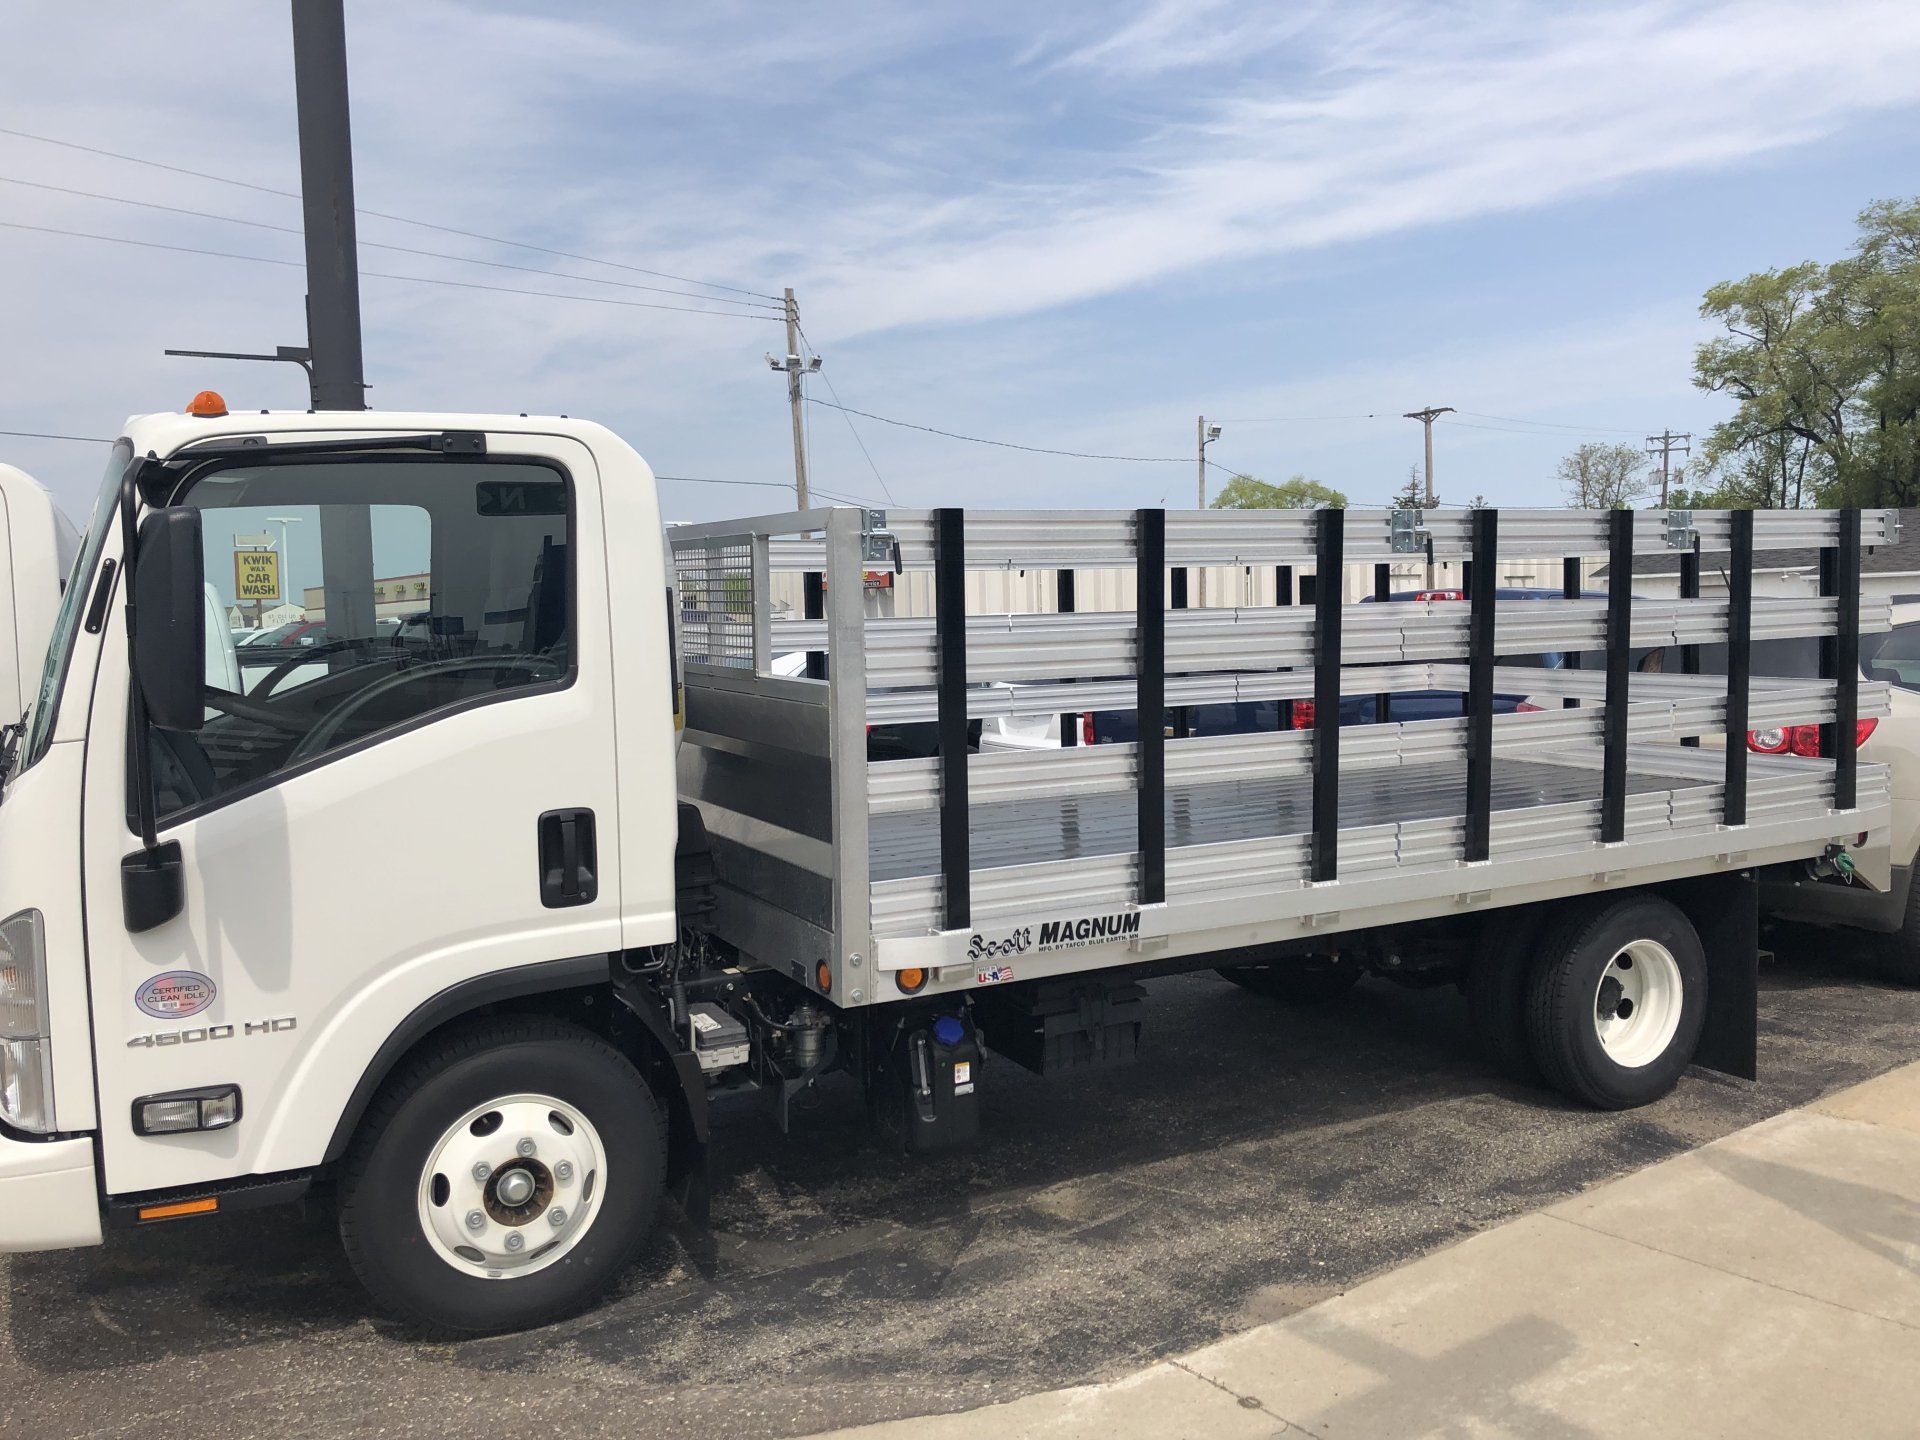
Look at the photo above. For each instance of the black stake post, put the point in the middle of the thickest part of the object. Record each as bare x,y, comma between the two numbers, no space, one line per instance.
1613,723
326,190
813,605
1480,642
1064,602
1841,739
1383,592
1329,565
1739,664
950,644
1571,587
1150,701
1283,585
1690,590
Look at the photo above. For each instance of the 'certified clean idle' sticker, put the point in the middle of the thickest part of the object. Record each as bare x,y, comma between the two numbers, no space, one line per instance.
175,995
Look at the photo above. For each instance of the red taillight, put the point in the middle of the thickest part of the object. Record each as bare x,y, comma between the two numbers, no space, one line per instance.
1440,595
1527,707
1303,714
1801,739
1086,727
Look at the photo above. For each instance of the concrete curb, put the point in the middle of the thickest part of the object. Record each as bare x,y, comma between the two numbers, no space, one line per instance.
1766,1284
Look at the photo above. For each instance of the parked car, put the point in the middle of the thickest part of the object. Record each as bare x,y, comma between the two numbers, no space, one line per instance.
1809,892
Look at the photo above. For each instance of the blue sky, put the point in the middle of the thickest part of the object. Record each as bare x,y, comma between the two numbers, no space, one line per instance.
1065,226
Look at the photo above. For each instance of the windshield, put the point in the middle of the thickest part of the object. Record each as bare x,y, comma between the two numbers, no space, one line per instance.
1894,656
73,600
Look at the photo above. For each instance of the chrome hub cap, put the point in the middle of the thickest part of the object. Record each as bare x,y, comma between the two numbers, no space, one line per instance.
512,1186
1636,1006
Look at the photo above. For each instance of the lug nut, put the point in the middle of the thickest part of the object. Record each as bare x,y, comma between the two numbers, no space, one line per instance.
556,1217
481,1170
563,1172
476,1220
516,1240
525,1147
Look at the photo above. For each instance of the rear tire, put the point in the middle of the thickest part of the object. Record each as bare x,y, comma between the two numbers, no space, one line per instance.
1900,951
1299,980
1617,1000
503,1179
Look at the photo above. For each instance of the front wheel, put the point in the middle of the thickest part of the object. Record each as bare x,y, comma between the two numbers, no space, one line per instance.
503,1179
1617,1000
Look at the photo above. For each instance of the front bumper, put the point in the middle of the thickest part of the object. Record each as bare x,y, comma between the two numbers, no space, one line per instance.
49,1196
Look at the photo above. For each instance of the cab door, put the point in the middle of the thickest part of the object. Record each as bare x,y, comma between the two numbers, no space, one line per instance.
420,794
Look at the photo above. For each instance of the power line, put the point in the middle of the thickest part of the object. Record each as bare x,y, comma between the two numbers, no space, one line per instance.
1511,430
885,489
1005,444
385,275
765,485
43,435
1548,424
379,245
1296,419
381,215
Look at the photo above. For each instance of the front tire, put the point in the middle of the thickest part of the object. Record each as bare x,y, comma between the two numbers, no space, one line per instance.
503,1179
1617,1001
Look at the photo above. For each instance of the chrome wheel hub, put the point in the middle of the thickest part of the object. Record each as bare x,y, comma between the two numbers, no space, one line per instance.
512,1186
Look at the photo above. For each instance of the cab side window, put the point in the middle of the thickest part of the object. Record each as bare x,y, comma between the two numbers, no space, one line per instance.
349,599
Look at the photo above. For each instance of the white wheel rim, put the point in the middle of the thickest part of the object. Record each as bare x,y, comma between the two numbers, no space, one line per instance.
512,1185
1636,1005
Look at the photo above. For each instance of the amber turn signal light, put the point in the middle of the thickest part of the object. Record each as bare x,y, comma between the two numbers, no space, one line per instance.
911,980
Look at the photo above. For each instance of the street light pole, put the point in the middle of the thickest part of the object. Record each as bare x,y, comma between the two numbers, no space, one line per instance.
326,192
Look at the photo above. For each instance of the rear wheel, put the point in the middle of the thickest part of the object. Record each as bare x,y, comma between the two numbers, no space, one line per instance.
503,1179
1300,980
1900,951
1616,1001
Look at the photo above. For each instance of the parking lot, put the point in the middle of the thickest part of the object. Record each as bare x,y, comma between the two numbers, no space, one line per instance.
1257,1160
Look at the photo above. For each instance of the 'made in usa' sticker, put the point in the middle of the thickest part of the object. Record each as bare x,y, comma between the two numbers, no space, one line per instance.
175,995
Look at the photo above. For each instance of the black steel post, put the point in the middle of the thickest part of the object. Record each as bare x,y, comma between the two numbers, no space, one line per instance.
1845,748
950,644
1739,664
1329,565
1572,585
1283,585
1150,700
1480,642
1064,601
813,605
326,188
1382,592
1613,722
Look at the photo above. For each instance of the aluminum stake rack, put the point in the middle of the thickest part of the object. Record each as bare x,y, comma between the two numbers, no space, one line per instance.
1074,859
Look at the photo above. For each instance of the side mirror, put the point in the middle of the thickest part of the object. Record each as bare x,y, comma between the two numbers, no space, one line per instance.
169,623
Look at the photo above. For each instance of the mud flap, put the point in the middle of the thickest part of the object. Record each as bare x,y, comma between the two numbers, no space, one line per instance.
1725,910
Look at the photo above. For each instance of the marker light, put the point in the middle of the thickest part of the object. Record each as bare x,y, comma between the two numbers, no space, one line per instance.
207,405
180,1209
911,979
823,977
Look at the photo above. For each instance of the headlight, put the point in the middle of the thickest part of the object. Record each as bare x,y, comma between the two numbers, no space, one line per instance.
26,1067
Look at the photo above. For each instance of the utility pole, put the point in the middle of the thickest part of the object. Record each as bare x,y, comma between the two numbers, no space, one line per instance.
1664,444
326,192
794,369
1426,417
1207,436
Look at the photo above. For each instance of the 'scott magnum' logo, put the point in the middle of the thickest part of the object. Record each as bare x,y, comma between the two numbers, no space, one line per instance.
1071,934
175,995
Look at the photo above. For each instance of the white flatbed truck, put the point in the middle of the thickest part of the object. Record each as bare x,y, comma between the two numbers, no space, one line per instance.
465,913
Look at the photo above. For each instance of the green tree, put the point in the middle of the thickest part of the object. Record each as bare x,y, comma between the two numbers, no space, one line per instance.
1412,495
1243,492
1600,476
1823,364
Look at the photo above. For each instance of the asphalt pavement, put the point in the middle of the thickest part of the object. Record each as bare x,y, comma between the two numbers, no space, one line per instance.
1257,1160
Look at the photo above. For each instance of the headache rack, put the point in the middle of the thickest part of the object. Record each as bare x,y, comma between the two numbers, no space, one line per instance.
1078,857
